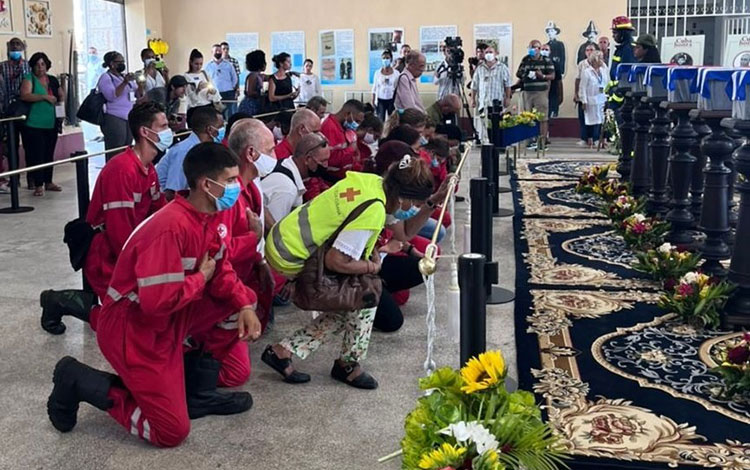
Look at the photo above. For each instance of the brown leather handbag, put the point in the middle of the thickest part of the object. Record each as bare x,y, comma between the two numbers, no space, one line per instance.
319,289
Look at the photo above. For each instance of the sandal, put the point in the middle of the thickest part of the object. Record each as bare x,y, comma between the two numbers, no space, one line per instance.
343,373
53,187
280,365
39,191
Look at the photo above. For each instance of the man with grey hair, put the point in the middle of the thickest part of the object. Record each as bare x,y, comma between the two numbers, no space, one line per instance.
318,105
304,121
407,94
445,110
283,189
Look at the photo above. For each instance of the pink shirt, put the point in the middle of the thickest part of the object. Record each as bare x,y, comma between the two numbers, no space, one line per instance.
407,95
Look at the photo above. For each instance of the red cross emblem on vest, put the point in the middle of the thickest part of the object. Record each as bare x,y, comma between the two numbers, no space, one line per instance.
350,194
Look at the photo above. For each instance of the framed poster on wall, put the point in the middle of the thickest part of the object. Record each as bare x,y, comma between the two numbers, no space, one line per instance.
38,17
291,42
683,50
337,57
381,39
6,18
737,51
239,45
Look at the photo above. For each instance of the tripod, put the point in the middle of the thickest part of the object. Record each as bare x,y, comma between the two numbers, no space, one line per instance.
456,78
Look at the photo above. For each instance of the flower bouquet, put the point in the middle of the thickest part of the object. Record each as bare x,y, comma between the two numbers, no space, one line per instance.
735,370
612,132
622,207
594,177
666,263
526,118
467,420
697,298
643,233
611,189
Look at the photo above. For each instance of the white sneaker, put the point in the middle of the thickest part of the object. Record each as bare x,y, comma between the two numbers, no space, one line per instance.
4,188
582,143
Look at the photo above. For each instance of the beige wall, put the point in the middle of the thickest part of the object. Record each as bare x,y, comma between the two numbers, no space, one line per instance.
195,23
57,47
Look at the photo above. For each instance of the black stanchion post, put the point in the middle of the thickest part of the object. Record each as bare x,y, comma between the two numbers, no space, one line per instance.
471,268
82,184
15,206
481,240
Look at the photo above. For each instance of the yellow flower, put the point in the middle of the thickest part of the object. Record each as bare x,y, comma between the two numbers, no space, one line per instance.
445,456
489,461
486,371
702,279
704,292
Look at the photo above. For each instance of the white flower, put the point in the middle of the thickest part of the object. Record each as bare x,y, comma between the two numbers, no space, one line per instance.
474,432
689,278
666,248
639,217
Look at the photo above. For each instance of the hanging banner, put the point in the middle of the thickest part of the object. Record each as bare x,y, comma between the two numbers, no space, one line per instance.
239,45
381,39
737,51
337,57
683,50
499,36
430,40
291,42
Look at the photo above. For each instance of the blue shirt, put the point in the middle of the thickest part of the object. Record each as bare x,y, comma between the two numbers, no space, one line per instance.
169,168
222,74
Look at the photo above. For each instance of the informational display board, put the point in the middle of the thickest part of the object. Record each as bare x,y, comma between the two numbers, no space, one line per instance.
430,39
683,50
239,45
737,51
291,42
499,36
380,39
337,57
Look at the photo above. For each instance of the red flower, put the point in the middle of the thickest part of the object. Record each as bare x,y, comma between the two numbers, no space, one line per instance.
738,355
639,228
685,289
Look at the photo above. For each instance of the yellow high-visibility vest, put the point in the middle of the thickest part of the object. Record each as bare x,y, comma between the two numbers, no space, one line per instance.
298,235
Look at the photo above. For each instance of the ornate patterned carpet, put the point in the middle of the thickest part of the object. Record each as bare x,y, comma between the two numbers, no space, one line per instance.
623,382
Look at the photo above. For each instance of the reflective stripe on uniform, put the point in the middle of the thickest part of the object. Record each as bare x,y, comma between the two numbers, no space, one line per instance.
188,263
137,197
118,205
116,296
305,230
284,252
230,323
616,58
146,430
220,254
160,279
134,421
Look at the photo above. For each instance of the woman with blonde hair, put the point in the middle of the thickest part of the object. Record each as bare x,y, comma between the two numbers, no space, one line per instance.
593,99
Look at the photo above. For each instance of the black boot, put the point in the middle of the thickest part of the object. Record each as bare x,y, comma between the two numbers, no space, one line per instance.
201,377
73,383
55,304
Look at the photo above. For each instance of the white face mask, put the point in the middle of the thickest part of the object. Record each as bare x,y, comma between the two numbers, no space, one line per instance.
489,57
277,134
265,165
544,53
369,139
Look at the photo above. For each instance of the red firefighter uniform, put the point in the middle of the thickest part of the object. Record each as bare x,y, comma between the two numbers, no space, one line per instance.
439,174
125,194
344,155
283,149
157,297
222,340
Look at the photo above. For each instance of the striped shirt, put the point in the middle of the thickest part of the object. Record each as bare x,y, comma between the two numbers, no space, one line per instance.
12,73
236,65
543,65
489,83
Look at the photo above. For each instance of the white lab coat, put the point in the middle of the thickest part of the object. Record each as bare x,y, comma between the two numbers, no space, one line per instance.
591,92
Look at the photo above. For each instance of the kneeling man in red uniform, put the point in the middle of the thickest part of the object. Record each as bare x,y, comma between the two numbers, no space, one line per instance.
172,280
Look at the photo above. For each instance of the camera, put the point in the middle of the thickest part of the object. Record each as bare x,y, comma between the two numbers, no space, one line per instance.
454,56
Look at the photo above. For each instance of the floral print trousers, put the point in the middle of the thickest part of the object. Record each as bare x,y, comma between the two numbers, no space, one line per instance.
356,327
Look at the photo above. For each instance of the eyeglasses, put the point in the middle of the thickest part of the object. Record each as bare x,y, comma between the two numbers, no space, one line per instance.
323,143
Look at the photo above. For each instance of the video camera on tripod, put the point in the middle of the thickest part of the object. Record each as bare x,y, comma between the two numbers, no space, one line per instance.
454,57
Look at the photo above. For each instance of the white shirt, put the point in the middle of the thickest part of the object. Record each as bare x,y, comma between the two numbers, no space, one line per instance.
154,82
591,93
582,65
383,86
202,97
353,242
309,86
280,194
262,241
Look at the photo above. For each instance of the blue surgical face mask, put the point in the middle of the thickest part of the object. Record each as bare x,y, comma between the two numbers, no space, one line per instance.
386,62
352,126
166,137
230,196
16,55
220,135
404,215
532,51
435,162
422,140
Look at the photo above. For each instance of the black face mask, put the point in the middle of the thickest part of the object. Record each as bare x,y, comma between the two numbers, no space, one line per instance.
120,68
217,56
